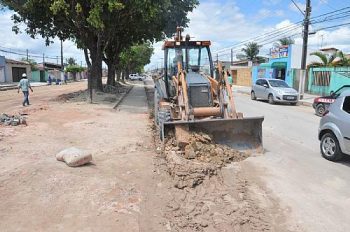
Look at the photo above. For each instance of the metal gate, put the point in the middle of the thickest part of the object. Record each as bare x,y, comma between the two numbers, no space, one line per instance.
17,73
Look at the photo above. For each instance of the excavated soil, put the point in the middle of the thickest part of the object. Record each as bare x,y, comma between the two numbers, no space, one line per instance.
201,199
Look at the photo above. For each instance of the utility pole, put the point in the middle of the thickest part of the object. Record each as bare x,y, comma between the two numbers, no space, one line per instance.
304,52
62,68
231,56
27,55
44,60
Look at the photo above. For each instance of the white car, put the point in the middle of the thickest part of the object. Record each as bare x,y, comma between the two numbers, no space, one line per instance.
134,77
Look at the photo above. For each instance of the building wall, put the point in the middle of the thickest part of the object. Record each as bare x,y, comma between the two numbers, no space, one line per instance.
323,80
2,69
242,76
9,67
35,76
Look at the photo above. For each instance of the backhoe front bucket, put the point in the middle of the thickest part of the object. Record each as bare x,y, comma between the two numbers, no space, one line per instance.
240,134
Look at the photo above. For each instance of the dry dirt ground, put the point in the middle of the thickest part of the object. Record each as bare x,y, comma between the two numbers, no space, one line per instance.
128,186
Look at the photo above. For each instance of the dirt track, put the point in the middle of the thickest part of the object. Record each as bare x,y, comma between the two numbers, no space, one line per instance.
127,187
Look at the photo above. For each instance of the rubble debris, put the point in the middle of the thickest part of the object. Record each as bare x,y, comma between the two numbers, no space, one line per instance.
202,148
74,157
12,120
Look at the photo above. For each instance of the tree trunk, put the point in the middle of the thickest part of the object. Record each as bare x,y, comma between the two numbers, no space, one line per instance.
95,71
111,73
118,75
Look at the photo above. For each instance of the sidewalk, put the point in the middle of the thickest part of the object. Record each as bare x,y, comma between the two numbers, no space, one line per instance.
9,86
306,101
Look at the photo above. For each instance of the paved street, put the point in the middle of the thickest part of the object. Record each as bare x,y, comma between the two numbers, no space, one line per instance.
316,190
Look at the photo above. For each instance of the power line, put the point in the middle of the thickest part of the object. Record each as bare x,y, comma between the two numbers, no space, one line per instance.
294,25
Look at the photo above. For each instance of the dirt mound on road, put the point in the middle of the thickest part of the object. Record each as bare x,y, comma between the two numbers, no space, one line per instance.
202,200
202,148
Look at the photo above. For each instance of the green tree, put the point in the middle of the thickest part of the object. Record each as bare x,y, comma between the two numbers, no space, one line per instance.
250,52
135,58
284,41
99,26
74,69
33,63
71,61
326,61
343,60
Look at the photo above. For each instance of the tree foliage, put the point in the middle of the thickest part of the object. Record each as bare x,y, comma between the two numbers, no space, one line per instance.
136,57
284,42
251,51
326,61
32,62
71,61
103,28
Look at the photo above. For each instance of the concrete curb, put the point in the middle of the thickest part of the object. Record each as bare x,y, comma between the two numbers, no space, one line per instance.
122,97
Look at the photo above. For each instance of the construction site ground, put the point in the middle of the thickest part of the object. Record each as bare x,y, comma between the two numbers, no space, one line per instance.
129,186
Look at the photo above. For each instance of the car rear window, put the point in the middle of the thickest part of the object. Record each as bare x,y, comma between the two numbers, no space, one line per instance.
346,105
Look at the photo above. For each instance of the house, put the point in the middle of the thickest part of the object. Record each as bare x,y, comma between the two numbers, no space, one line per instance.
12,70
44,70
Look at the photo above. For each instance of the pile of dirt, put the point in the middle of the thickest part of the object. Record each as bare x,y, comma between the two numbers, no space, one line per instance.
202,201
81,95
201,147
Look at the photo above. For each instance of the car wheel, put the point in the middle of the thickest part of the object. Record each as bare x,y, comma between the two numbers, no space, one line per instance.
270,98
140,79
330,148
252,95
294,103
320,109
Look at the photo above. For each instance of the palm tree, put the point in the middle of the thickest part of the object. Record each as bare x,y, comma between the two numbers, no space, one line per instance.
251,51
325,60
285,42
342,61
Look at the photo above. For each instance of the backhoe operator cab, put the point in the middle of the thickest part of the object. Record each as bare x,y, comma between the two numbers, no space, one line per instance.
194,57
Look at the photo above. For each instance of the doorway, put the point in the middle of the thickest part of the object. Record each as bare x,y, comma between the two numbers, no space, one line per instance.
17,73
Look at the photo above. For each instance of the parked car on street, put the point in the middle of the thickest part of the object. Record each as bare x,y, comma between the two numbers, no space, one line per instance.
334,130
321,104
274,90
134,77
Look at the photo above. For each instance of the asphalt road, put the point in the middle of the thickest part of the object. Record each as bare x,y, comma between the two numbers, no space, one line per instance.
315,191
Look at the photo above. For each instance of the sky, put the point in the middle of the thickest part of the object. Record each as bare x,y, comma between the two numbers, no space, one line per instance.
225,22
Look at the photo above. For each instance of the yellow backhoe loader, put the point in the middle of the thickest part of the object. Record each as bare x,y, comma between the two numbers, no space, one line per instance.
189,97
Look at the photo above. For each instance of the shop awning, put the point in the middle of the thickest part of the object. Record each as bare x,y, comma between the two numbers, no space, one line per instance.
279,65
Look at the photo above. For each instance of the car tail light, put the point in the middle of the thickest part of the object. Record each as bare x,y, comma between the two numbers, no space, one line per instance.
325,113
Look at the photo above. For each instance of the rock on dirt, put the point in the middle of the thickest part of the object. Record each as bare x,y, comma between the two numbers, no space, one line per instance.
12,120
74,157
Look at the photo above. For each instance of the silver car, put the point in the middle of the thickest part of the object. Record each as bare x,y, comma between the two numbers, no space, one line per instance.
274,90
334,130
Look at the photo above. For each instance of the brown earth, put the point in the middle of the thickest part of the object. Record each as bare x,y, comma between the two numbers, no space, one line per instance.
128,186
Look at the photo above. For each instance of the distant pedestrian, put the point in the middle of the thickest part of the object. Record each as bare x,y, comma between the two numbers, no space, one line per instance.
229,77
24,85
49,81
65,78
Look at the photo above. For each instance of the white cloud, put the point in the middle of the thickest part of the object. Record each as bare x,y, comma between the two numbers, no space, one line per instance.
20,42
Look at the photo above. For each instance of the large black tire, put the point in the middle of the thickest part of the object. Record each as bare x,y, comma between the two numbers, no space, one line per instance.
320,109
330,148
294,103
270,98
252,95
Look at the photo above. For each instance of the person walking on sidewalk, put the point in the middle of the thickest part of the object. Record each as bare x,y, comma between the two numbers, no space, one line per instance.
24,85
